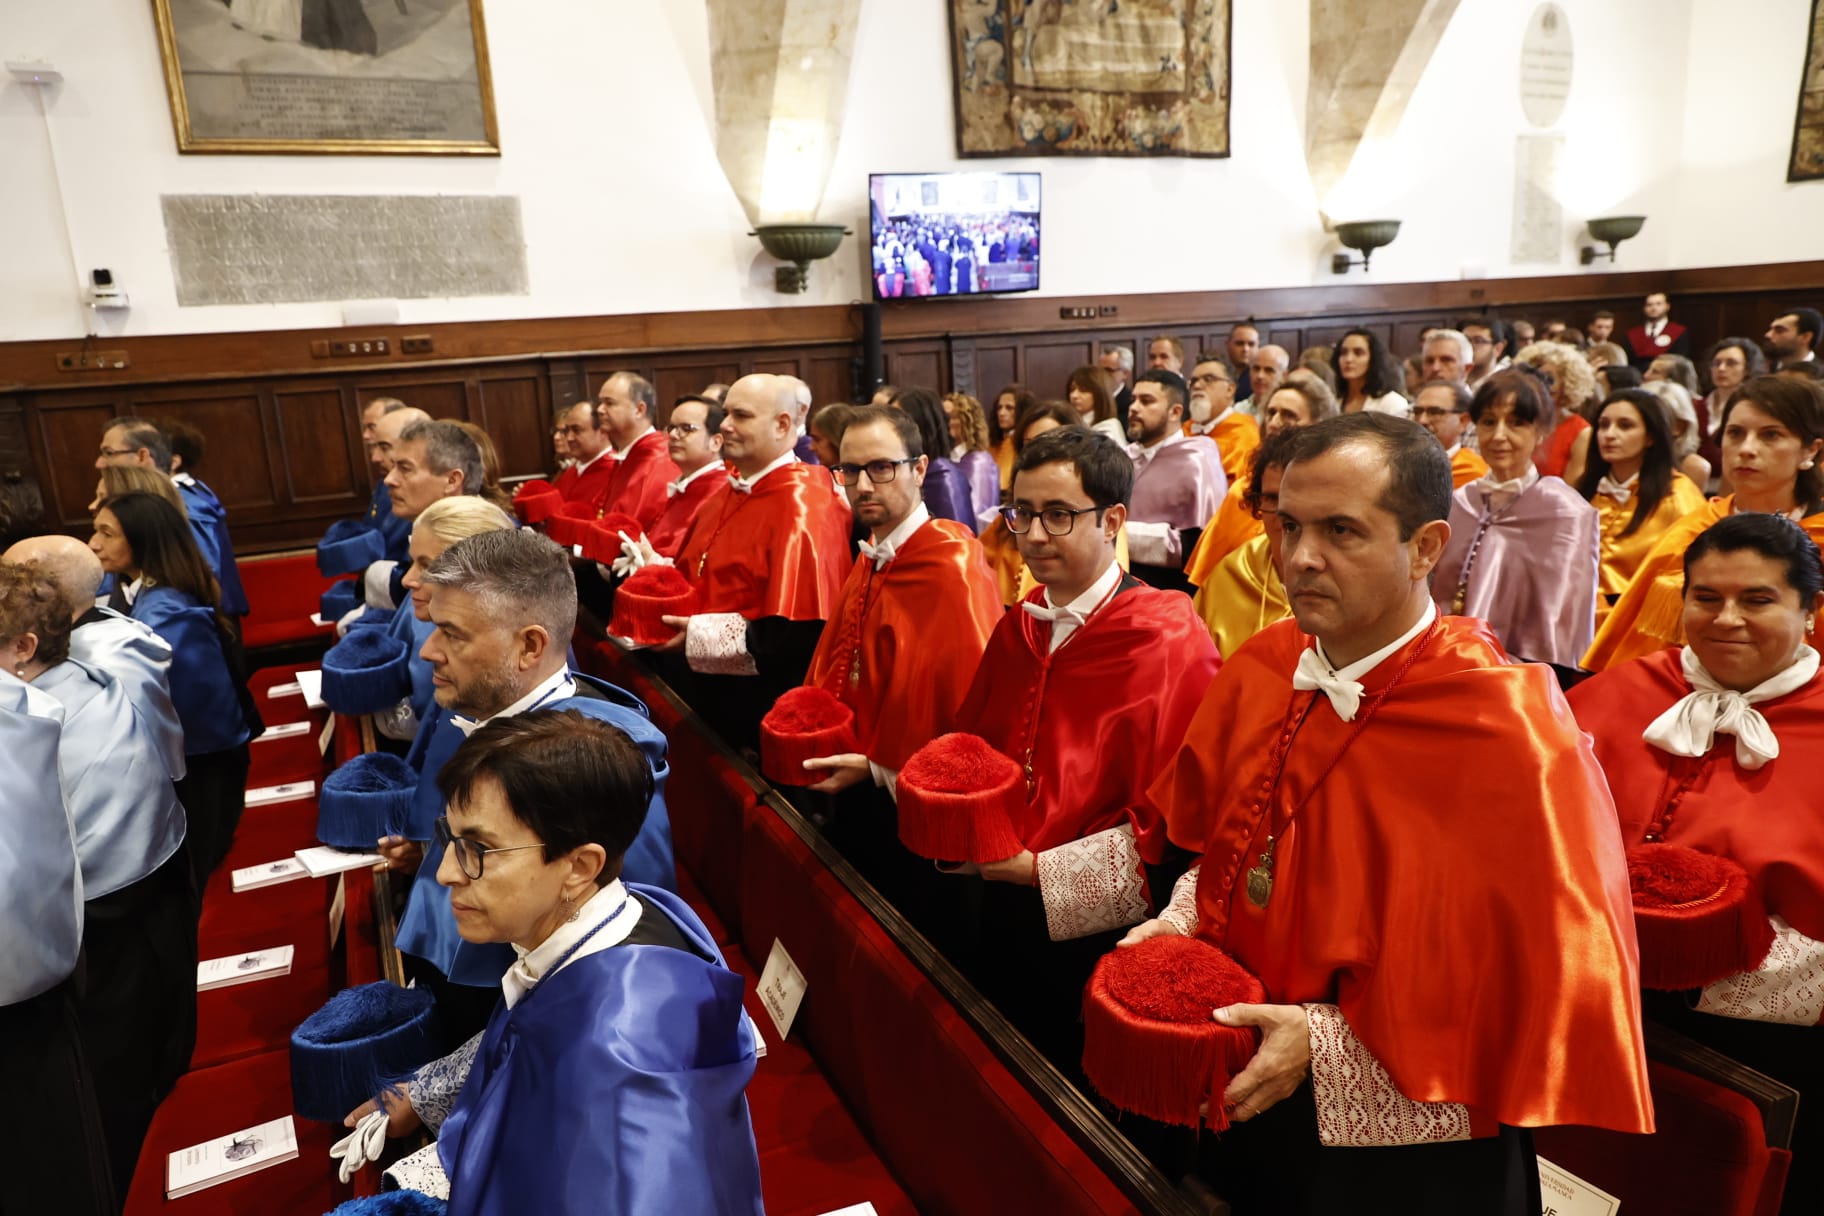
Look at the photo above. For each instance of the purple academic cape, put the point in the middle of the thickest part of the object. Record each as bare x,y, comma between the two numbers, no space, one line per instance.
984,477
1181,484
615,1085
1532,576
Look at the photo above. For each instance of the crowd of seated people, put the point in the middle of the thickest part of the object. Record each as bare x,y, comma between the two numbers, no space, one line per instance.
1221,632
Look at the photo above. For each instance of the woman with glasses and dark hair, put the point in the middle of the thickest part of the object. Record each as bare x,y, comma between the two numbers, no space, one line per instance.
1367,376
1772,439
1713,746
162,580
946,489
612,1072
1633,486
1729,364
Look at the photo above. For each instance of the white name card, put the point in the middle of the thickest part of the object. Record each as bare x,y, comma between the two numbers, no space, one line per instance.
283,690
310,683
266,795
322,861
251,878
285,730
858,1209
781,988
214,1161
243,968
1566,1194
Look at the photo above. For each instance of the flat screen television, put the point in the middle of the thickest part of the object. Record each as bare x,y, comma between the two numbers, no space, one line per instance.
953,234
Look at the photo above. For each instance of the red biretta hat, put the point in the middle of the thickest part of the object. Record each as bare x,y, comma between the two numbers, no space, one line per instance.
1150,1045
570,522
602,542
649,594
958,799
804,723
1696,915
536,501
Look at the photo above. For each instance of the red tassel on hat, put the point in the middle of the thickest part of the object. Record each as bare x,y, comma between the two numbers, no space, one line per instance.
536,501
1150,1045
647,596
958,799
803,724
1696,915
602,541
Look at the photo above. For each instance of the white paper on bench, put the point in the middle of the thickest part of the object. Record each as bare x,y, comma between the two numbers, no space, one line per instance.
271,874
322,861
311,684
266,795
204,1165
290,689
859,1209
284,730
245,968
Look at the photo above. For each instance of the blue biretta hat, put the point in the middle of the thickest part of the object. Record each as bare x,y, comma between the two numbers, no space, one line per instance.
373,618
349,547
365,799
341,599
366,672
364,1039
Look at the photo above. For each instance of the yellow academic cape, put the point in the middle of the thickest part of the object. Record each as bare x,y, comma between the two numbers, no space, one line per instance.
1622,555
1233,527
1242,596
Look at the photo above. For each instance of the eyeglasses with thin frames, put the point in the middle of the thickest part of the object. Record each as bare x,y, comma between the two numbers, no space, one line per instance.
683,430
878,471
1057,521
116,451
470,855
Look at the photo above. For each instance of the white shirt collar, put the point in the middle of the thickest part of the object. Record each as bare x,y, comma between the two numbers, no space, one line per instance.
709,466
744,484
620,453
958,452
183,479
1450,453
131,590
583,466
1095,593
1362,666
1153,449
915,519
613,904
554,687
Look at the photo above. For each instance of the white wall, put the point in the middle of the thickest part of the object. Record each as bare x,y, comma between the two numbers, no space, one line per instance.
603,110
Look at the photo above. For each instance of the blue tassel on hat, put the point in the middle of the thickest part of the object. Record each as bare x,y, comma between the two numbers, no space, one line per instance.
349,547
365,799
364,1039
366,672
339,600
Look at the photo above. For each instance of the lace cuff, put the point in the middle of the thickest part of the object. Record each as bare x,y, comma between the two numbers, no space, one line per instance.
1788,987
1357,1105
1181,913
434,1087
421,1171
377,584
1092,884
715,643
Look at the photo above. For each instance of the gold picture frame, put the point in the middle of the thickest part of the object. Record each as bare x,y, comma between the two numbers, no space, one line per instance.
328,77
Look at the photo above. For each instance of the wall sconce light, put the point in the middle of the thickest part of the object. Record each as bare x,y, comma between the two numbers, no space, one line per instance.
1612,230
799,244
1363,236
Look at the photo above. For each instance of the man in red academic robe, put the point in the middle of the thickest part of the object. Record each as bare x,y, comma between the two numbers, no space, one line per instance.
640,465
694,439
1089,684
587,479
1447,948
1659,335
767,556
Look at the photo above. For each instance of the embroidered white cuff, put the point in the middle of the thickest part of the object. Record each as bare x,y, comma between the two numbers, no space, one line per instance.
1181,912
422,1171
1788,987
715,643
1357,1105
1092,884
433,1088
377,584
1153,544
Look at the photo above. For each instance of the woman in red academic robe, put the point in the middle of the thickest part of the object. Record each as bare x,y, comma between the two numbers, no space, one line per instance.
1712,746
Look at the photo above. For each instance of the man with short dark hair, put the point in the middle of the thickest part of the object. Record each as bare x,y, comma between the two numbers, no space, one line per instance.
1658,335
694,443
1243,341
1178,482
640,467
1602,327
1442,407
1793,337
395,533
586,480
139,441
1088,684
1447,950
1488,349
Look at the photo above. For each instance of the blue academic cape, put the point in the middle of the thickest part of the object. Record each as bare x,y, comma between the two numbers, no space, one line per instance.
616,1085
209,523
414,633
428,928
207,702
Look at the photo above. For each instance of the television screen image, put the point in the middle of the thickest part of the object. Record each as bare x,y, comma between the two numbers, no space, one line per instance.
953,234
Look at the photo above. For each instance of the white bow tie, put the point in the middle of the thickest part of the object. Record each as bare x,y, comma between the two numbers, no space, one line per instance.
1690,727
740,484
1312,672
467,726
882,553
1056,615
1620,491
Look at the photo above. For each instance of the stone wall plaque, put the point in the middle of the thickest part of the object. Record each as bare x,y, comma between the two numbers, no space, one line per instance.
286,248
1538,235
1545,66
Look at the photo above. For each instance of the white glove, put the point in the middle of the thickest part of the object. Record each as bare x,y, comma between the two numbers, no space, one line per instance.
362,1145
637,555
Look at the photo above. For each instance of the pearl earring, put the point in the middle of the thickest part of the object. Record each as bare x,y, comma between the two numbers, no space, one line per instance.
1806,465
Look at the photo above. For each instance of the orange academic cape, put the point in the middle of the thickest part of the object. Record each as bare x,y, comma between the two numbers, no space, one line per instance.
1467,466
1651,613
1233,527
1764,818
1094,720
637,481
1455,884
904,642
780,550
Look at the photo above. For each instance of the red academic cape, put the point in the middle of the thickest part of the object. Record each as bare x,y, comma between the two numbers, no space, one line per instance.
1456,883
592,486
1764,818
780,550
1646,349
637,481
1095,720
881,654
667,532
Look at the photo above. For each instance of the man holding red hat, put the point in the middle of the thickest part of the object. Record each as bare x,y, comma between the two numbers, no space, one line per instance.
1448,951
1088,684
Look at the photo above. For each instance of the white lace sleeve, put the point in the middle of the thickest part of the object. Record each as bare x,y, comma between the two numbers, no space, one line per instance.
1357,1105
434,1087
1788,986
1092,884
421,1171
715,643
1181,913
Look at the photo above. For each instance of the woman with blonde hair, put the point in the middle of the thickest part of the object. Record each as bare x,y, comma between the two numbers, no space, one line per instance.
118,479
1564,445
969,432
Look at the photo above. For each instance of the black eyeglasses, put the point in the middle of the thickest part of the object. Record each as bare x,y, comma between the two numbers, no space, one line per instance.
682,430
1057,521
470,855
878,471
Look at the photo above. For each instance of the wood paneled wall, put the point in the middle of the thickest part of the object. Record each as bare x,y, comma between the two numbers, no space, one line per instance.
284,432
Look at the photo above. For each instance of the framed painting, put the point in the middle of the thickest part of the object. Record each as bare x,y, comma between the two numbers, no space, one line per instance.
328,76
1082,78
1807,162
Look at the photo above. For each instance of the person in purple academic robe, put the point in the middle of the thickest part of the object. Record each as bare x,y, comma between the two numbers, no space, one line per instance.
612,1073
946,490
1524,550
1178,481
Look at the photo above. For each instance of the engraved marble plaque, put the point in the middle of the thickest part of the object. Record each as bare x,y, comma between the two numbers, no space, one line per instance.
1538,235
286,248
1545,66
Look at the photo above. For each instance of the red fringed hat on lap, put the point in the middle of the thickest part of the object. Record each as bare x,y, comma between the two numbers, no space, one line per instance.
536,501
803,724
571,522
602,542
958,799
1150,1045
1696,915
650,594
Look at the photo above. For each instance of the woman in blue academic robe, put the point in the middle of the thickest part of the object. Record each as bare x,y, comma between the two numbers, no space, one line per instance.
144,542
611,1075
